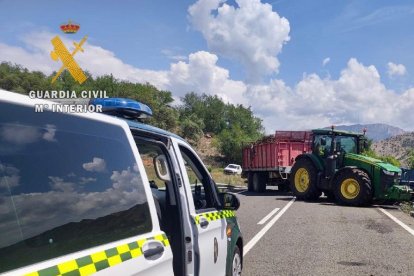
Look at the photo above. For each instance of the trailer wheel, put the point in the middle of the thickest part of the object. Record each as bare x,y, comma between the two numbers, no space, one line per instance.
353,187
259,182
250,182
303,180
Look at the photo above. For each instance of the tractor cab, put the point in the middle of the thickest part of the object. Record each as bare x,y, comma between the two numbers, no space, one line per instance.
331,146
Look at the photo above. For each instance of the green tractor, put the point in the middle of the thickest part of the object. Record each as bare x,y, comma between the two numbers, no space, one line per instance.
337,167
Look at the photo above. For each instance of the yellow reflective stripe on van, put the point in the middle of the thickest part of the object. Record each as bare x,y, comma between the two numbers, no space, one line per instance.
216,215
90,264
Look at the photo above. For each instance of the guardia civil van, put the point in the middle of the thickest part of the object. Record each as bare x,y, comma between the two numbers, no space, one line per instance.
96,193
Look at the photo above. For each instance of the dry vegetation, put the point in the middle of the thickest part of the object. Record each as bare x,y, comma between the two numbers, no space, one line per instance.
398,146
208,152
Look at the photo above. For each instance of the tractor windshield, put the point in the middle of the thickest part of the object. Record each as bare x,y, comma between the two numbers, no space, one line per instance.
346,144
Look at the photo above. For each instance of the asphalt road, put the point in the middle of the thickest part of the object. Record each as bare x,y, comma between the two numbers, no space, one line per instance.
321,238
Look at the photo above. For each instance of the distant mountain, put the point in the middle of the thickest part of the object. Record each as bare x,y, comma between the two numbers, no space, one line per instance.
375,132
398,146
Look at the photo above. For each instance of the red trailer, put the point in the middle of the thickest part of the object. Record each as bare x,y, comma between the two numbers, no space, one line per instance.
268,161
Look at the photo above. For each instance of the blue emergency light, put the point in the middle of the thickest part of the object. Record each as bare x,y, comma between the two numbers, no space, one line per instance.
121,107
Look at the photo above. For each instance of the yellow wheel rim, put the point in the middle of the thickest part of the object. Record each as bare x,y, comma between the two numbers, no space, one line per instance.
302,180
350,188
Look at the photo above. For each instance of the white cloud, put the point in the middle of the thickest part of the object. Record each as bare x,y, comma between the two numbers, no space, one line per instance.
86,180
97,165
49,135
396,69
19,134
173,55
326,61
357,96
58,184
251,33
10,176
35,55
125,179
202,75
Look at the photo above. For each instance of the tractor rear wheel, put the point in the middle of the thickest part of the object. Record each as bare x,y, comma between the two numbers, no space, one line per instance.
353,187
303,180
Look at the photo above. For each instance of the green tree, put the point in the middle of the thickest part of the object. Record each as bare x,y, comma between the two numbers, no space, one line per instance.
191,128
231,143
210,109
198,114
233,124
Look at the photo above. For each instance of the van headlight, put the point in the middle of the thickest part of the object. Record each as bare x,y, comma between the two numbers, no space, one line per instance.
388,173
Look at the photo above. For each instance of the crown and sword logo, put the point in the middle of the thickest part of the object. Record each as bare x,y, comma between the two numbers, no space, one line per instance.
61,52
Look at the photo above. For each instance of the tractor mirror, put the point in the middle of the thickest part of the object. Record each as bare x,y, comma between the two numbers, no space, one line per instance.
366,146
323,142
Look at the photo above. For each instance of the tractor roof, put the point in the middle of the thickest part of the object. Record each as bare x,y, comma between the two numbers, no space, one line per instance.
337,132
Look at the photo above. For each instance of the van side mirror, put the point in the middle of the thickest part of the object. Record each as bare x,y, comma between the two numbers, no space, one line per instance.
323,142
161,168
229,201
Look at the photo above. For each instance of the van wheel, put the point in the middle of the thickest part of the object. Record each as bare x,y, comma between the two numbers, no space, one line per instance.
303,180
236,265
353,187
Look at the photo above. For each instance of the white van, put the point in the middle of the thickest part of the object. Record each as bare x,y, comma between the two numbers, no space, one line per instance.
92,193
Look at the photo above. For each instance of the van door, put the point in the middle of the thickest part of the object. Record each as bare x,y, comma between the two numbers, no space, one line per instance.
209,223
74,200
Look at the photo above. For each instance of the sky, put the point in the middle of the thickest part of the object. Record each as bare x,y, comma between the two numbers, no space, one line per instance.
298,64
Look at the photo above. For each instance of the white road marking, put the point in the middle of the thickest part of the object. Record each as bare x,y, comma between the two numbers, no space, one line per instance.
268,216
400,223
266,228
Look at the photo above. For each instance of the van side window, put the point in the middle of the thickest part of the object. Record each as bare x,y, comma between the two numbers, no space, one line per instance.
149,153
66,184
201,187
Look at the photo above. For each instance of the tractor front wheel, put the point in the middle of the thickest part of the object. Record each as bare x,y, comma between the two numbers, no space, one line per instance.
303,180
353,187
